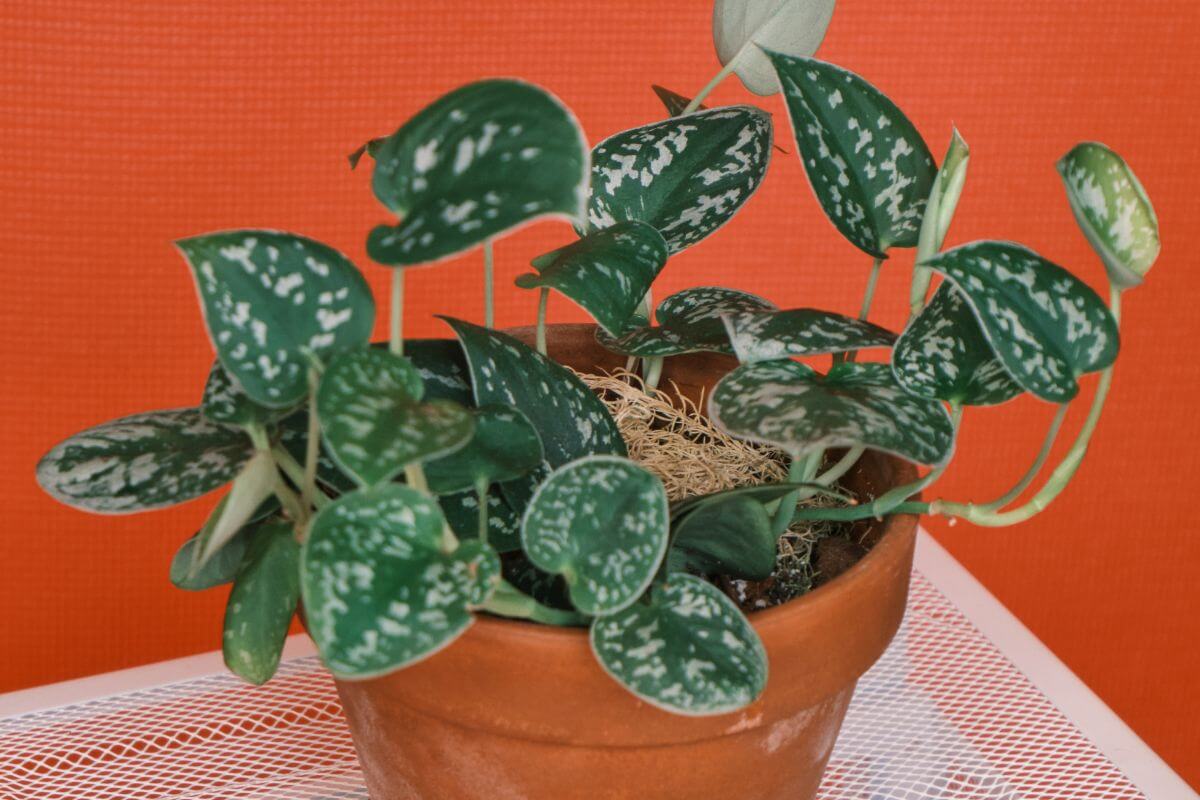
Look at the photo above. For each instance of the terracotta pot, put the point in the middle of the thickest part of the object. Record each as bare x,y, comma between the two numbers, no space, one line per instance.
519,710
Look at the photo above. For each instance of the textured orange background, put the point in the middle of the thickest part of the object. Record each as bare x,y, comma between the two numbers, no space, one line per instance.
125,125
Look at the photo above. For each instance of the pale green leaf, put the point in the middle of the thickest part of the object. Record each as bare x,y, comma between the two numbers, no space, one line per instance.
251,488
771,335
689,650
262,603
143,462
271,301
943,199
602,523
504,446
742,27
689,322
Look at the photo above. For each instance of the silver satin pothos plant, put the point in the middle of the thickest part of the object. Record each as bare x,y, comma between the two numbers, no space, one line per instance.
395,490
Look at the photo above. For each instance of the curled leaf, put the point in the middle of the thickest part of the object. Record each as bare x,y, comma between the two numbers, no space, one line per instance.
742,27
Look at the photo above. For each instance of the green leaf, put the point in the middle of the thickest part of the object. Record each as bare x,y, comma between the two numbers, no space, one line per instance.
379,590
462,514
504,447
224,401
220,569
607,273
1112,210
372,419
943,199
252,487
602,523
689,322
689,650
549,590
868,166
686,176
143,462
674,102
771,335
741,28
730,536
442,367
293,435
1045,325
786,404
943,355
262,603
570,420
478,162
271,300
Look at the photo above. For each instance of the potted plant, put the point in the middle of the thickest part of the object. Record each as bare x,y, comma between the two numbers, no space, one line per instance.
510,604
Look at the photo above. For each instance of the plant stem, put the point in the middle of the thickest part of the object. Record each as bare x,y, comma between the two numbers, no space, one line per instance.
653,367
799,471
509,601
293,469
489,316
725,72
872,285
396,342
855,513
1039,462
543,301
481,493
308,488
414,476
829,476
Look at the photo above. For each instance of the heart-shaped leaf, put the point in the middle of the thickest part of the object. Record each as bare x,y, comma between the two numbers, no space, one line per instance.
476,163
570,420
251,488
686,176
224,401
742,27
607,272
868,166
771,335
379,590
689,650
373,421
1113,211
262,603
943,355
1046,326
602,523
142,462
689,322
504,447
271,300
462,514
730,536
786,404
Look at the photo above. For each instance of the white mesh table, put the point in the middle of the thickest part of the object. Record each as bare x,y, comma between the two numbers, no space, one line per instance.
965,704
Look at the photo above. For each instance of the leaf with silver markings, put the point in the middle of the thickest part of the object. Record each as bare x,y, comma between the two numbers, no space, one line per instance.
771,335
504,446
689,322
262,603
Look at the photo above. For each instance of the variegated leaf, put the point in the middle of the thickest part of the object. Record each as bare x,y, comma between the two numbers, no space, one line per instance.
686,176
379,589
771,335
251,488
143,462
689,322
224,401
477,162
725,536
602,523
262,603
504,446
372,417
1113,211
943,355
442,368
868,166
462,514
607,272
741,28
1045,325
786,404
271,300
689,650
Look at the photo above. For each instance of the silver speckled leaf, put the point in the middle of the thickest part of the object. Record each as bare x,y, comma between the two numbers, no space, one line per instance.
689,650
607,272
786,404
689,322
1112,210
262,603
686,176
462,514
943,355
270,299
224,401
868,166
771,335
602,523
379,591
1045,325
373,420
477,162
143,462
504,447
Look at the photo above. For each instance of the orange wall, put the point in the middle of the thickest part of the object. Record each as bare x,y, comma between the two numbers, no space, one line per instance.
128,124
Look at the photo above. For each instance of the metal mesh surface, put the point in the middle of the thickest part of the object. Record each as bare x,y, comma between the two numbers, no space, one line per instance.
942,715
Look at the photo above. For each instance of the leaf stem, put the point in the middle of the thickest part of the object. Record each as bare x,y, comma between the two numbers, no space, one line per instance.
1039,462
509,601
543,301
295,472
396,342
725,72
489,315
872,285
799,471
414,476
652,370
481,494
308,488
